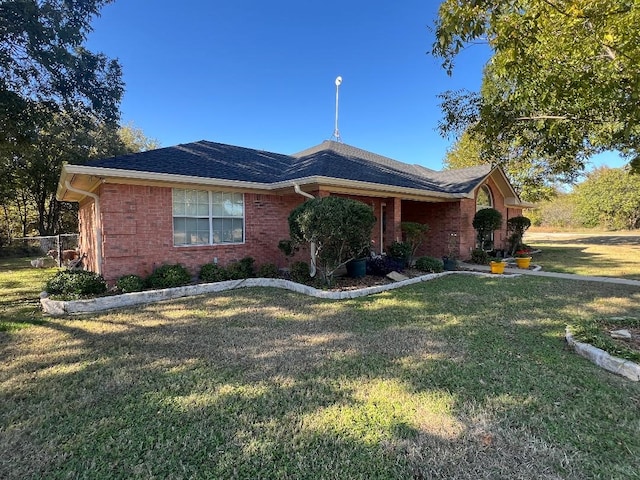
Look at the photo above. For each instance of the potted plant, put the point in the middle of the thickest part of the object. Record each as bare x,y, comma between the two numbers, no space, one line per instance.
523,259
357,268
497,265
400,251
449,261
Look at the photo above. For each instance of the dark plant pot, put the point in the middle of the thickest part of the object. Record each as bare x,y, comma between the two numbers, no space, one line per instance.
357,268
449,264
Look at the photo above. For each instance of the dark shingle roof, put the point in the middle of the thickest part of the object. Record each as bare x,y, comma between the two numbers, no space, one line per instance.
329,159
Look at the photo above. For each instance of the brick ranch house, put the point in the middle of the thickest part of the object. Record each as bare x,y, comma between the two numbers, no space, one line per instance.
201,202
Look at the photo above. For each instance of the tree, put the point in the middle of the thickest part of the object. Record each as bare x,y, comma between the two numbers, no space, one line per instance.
609,198
529,176
44,67
485,222
36,167
561,84
51,88
415,234
339,227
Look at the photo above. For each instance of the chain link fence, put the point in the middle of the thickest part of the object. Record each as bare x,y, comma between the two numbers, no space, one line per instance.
47,250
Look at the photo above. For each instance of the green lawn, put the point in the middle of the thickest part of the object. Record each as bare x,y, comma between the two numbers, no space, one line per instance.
602,254
462,377
20,286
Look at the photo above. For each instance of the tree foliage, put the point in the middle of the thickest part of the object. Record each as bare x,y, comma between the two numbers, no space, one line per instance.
339,227
529,176
485,222
58,102
561,85
609,198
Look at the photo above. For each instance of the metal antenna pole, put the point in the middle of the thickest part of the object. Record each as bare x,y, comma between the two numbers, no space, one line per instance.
336,132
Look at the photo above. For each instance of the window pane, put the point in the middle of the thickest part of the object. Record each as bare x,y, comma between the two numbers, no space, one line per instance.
217,230
203,209
179,237
227,230
203,197
237,230
218,210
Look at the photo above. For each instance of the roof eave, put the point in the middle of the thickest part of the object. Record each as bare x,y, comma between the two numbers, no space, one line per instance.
102,175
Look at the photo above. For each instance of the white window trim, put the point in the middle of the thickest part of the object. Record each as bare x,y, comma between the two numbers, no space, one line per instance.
211,218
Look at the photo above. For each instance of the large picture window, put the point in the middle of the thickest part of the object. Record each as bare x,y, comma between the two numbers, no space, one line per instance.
201,217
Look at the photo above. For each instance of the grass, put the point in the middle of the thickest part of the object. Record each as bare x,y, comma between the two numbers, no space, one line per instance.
20,286
461,377
600,254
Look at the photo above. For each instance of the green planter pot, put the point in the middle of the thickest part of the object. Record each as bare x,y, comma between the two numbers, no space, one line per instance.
357,268
449,264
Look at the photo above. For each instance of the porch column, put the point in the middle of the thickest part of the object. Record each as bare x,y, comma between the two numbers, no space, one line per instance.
394,218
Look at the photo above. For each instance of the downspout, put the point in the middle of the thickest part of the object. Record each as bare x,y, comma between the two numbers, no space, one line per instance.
97,229
312,269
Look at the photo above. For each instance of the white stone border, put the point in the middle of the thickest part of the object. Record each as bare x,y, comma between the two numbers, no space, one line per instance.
623,367
65,307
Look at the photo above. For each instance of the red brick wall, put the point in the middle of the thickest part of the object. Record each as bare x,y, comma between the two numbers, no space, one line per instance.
138,231
86,227
137,228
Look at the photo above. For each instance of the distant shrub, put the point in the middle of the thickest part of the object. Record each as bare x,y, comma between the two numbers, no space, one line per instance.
268,270
429,264
212,272
383,265
479,256
130,283
300,272
76,282
168,276
241,269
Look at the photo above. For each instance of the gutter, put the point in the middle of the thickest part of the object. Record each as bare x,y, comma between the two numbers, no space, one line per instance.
97,229
312,270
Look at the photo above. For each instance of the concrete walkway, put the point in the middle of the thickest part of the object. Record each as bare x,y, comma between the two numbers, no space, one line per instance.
564,276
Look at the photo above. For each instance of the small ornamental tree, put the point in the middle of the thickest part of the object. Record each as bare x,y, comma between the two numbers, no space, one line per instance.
516,226
485,222
415,234
339,227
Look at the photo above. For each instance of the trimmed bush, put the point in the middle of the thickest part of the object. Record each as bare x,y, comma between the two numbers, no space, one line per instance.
212,272
400,251
268,270
479,256
241,269
429,264
168,276
130,283
300,272
76,282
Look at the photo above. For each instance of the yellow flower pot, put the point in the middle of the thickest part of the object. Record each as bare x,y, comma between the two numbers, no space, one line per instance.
497,267
523,262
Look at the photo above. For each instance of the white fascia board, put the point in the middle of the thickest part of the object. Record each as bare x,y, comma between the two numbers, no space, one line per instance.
70,170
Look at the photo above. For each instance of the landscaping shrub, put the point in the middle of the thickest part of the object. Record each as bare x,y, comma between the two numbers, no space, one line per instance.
485,222
299,272
429,264
241,269
268,270
383,265
414,234
339,227
167,276
479,256
76,282
400,251
130,283
212,272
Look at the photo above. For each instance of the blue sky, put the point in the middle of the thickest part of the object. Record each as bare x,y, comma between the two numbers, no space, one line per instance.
261,74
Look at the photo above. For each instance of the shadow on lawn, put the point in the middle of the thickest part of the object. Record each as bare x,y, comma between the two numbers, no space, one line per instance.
460,377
